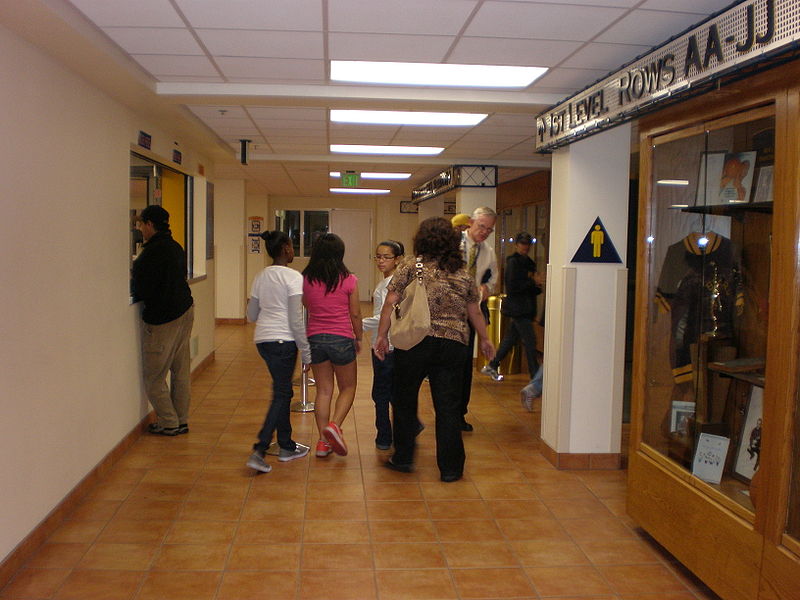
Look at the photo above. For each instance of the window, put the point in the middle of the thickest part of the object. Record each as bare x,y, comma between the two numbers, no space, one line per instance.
314,224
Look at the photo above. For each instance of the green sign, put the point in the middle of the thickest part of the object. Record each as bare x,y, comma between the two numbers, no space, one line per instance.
350,179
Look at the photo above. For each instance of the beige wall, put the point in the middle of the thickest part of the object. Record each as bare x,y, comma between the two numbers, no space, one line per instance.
69,355
229,251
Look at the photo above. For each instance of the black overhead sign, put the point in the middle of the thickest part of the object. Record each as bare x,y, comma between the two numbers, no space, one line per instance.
747,32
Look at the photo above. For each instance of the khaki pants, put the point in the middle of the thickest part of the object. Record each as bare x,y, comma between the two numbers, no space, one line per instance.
165,349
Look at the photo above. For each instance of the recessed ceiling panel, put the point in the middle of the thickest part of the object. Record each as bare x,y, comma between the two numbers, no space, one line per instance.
218,112
272,69
399,16
151,40
700,7
513,52
276,113
142,13
163,65
264,44
292,15
570,79
388,47
607,57
642,26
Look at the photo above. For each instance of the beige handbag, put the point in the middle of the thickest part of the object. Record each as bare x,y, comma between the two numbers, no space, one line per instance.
411,317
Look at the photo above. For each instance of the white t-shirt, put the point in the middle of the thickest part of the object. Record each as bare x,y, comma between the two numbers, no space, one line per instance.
273,287
378,296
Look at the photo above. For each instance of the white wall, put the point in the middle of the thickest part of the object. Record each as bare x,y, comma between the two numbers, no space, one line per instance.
69,355
229,253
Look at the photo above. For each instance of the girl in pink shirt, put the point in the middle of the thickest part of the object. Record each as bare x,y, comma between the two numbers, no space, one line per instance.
330,295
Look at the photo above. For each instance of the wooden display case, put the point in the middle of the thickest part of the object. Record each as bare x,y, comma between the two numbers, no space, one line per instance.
717,335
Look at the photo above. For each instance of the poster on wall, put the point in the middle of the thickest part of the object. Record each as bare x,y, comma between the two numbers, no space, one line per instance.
255,224
254,243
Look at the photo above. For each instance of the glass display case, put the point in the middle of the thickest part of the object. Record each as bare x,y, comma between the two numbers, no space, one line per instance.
708,247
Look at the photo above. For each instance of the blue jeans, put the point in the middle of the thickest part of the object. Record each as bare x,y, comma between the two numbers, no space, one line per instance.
534,388
338,349
442,361
281,358
382,396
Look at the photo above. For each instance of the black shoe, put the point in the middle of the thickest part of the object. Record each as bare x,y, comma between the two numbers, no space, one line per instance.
157,429
450,477
420,427
183,428
466,426
409,468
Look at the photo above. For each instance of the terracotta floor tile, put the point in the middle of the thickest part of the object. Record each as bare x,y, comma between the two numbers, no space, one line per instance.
532,529
336,556
479,554
459,509
565,581
95,510
269,532
664,596
337,585
111,491
397,509
146,509
77,532
639,579
125,531
596,529
518,509
618,552
100,585
58,556
492,583
161,491
494,473
393,491
201,532
122,557
186,585
577,508
211,510
408,556
402,531
335,476
428,584
336,510
261,509
191,557
34,583
457,490
264,557
260,585
566,489
506,491
467,531
549,553
332,532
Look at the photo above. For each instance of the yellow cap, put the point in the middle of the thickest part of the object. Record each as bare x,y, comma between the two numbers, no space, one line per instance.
460,219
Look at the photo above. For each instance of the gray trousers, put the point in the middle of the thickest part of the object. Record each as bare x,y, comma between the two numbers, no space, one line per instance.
165,349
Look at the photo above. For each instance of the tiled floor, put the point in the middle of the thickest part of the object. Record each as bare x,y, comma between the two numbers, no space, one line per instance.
182,518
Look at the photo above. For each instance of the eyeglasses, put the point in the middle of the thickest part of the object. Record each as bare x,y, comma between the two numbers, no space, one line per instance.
485,228
384,257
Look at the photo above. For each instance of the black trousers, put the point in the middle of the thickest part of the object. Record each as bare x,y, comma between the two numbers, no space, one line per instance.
520,328
440,360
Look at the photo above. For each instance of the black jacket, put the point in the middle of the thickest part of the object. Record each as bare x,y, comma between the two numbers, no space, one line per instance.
521,290
159,280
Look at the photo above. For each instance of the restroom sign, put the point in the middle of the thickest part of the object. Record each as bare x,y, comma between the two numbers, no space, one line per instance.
597,246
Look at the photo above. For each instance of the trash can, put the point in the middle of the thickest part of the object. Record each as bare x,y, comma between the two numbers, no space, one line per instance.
498,323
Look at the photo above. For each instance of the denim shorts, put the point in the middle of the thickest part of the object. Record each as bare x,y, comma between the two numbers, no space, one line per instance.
338,349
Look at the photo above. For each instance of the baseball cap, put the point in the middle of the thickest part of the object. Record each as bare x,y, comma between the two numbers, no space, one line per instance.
459,220
155,214
523,238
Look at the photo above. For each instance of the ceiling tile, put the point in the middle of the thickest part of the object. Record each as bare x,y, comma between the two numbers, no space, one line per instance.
643,26
570,79
190,78
388,47
300,148
280,113
701,7
516,52
399,16
163,65
271,69
142,13
532,21
213,112
294,15
287,125
608,57
266,44
615,3
143,40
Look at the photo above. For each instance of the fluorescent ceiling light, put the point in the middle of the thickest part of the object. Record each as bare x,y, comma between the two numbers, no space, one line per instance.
407,117
376,175
480,76
356,191
410,150
672,182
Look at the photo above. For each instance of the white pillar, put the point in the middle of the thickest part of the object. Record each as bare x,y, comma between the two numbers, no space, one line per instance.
586,304
431,208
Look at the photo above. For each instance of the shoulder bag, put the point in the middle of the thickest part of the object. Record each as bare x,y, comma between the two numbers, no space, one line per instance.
411,317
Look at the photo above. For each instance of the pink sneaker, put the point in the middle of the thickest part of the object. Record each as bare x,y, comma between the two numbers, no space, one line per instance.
323,449
334,436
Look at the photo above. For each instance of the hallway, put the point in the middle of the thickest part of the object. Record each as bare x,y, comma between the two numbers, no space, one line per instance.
183,518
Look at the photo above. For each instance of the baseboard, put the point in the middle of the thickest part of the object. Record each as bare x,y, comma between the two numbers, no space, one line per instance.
231,321
202,365
20,555
565,461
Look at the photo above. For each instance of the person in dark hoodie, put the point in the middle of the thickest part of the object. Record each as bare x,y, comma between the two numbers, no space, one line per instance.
159,282
520,305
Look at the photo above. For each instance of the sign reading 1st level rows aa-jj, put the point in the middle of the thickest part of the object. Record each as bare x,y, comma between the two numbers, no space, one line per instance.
748,32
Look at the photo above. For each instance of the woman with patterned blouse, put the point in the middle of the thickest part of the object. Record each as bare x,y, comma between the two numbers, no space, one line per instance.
453,300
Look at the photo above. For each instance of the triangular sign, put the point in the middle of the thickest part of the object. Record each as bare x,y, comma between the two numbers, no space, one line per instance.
597,246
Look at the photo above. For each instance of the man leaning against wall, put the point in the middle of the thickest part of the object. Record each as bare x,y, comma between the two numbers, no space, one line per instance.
159,282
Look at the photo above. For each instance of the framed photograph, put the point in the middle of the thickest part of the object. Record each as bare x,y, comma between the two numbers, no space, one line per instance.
407,206
763,191
681,417
748,452
449,208
736,181
709,458
709,176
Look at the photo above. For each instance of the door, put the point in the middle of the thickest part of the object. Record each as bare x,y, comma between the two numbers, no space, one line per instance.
355,229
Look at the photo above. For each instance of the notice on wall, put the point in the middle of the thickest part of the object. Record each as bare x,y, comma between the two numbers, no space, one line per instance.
253,243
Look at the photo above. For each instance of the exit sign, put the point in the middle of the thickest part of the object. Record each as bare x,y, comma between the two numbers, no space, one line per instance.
350,179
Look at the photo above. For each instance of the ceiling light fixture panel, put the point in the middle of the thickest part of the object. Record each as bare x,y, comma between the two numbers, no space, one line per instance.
387,150
405,117
376,175
356,191
434,74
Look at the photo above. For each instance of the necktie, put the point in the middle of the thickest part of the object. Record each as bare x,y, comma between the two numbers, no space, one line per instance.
473,259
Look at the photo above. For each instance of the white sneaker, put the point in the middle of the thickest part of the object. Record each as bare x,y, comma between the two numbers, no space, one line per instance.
299,452
257,462
492,372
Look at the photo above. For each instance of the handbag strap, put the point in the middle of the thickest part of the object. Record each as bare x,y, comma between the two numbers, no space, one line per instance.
418,274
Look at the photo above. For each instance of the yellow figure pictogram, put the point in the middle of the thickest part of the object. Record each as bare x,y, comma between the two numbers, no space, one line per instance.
597,240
